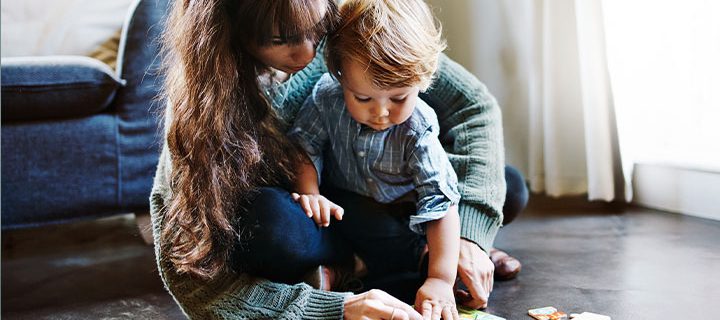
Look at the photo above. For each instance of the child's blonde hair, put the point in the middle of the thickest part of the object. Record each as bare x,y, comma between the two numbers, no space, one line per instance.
398,41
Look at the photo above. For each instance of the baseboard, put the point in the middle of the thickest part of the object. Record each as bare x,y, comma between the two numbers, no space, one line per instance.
679,189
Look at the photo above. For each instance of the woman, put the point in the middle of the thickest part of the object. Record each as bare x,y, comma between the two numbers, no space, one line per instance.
237,72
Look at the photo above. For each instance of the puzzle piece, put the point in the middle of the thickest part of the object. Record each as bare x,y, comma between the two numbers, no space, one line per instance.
547,313
588,316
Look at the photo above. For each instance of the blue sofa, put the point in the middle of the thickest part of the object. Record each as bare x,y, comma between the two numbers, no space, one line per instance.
80,140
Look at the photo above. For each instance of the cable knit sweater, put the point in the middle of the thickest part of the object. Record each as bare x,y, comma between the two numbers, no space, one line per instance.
471,133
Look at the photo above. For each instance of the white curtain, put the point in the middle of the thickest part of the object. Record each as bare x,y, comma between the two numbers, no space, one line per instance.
545,62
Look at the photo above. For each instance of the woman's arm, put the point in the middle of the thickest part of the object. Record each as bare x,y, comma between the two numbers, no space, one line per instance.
471,133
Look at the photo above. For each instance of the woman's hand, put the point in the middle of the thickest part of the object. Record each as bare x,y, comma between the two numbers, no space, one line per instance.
475,271
435,298
377,304
318,208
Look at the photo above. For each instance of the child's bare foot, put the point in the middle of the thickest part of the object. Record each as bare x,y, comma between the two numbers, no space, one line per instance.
328,278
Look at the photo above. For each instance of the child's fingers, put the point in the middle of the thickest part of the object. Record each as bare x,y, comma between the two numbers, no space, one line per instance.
437,311
337,211
450,312
455,313
305,204
427,309
317,217
295,196
315,208
325,208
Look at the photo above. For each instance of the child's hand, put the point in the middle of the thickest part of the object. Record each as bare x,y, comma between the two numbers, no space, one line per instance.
435,298
318,208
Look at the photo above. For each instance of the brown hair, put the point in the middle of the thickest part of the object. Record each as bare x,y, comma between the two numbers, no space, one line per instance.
398,40
224,138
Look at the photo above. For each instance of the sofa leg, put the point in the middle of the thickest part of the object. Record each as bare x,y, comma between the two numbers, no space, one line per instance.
142,219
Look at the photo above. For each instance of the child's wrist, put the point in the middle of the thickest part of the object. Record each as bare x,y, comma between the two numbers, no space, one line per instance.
307,190
444,279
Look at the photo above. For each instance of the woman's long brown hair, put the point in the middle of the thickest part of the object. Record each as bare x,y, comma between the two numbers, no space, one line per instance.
224,138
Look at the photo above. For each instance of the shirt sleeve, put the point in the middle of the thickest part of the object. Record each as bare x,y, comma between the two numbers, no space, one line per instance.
471,131
434,178
309,131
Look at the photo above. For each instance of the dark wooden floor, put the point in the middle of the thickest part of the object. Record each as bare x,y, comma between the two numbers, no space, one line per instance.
633,264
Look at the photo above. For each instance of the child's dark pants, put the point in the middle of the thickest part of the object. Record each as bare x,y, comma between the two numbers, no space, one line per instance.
282,243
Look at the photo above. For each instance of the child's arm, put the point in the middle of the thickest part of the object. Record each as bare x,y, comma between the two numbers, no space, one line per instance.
436,296
308,131
308,196
436,186
307,178
443,238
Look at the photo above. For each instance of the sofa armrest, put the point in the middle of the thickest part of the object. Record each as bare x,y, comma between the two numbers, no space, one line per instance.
138,55
135,104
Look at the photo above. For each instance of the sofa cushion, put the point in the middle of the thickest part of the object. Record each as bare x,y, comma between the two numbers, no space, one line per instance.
35,88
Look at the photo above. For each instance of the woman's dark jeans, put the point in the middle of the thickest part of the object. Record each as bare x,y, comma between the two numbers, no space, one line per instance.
284,244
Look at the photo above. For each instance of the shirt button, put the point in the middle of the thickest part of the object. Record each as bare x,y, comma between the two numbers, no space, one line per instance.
361,154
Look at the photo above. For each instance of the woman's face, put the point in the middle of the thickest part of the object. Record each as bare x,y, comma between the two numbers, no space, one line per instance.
282,55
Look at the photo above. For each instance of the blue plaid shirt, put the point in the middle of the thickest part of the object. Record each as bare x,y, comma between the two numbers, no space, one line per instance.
385,165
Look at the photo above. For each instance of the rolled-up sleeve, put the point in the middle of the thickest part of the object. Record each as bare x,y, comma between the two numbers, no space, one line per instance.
434,178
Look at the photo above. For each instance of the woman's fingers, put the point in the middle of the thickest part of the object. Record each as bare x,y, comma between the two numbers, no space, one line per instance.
491,280
478,294
406,310
377,304
393,302
462,296
388,312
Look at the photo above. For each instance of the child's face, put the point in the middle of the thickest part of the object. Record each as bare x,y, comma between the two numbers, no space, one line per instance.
376,108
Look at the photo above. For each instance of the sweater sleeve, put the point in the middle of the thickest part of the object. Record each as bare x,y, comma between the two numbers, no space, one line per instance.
471,133
232,296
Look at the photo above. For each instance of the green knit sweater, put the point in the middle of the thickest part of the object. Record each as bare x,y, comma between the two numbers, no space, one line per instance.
471,132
